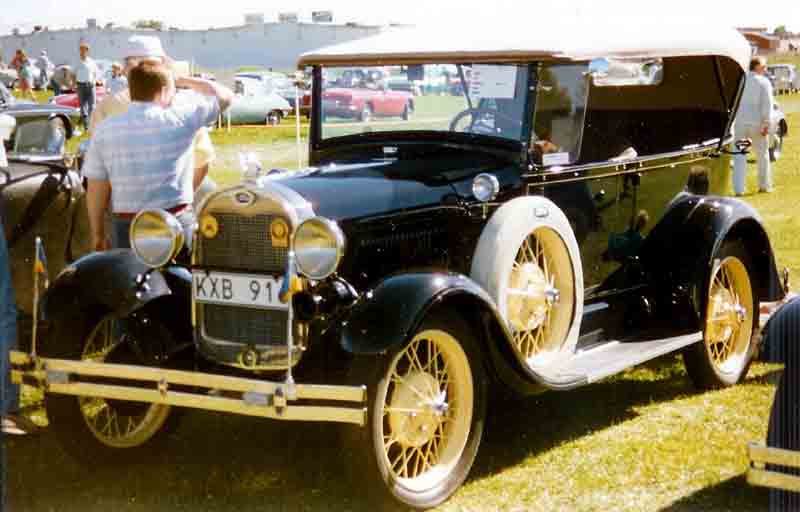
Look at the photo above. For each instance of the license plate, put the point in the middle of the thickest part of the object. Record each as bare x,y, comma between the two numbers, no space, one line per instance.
238,290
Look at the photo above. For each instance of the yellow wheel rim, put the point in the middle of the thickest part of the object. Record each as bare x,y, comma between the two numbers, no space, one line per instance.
729,316
427,408
118,427
540,297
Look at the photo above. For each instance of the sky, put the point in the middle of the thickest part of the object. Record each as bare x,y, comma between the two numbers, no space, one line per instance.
194,14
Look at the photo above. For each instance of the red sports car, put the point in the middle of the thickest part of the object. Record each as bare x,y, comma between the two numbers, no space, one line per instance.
363,104
71,99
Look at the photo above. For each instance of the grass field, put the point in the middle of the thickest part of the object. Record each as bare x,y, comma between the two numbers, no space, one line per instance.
644,440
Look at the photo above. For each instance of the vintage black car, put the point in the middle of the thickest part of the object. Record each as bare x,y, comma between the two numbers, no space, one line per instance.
552,226
776,463
40,191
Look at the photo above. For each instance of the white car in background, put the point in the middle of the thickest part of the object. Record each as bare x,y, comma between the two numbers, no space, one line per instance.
778,129
784,77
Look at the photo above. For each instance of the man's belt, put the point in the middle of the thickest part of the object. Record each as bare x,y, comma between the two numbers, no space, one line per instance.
84,83
175,210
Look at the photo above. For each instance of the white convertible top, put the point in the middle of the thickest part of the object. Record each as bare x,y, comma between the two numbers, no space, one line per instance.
550,39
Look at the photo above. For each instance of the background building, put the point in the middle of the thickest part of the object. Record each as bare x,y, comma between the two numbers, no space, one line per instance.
272,45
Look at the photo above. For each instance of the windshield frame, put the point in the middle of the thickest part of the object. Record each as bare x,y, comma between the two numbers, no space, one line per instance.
317,143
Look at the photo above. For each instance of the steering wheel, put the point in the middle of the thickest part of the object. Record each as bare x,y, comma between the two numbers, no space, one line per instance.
480,117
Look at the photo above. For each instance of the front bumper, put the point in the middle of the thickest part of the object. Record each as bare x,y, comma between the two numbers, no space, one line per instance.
760,455
235,395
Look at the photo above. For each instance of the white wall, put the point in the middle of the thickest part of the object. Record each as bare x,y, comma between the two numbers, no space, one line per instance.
276,45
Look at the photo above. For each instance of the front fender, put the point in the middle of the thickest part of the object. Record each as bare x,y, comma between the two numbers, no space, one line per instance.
387,316
384,317
104,279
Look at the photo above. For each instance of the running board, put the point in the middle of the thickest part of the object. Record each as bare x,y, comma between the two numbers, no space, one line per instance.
597,363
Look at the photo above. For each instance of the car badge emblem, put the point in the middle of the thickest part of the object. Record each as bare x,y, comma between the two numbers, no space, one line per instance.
209,226
279,233
245,198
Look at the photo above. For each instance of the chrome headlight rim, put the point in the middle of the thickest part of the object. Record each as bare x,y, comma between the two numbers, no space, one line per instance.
335,235
156,251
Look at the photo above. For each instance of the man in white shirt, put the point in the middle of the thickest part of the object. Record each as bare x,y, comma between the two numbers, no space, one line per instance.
86,76
45,66
752,122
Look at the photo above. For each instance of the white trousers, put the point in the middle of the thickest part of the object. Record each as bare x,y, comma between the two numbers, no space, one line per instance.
761,150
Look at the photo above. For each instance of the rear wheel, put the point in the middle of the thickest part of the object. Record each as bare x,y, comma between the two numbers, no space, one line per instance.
274,118
427,402
96,430
723,357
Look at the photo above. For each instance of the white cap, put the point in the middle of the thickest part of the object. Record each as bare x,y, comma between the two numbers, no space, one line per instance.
44,52
143,46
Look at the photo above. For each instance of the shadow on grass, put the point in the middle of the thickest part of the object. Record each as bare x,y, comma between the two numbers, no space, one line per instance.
223,462
732,494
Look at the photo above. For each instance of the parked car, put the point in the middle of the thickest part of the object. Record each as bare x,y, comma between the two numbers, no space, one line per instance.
778,129
42,194
551,228
401,83
70,99
784,78
8,77
256,103
363,93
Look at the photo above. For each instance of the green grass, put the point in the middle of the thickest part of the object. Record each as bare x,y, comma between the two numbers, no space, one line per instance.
644,440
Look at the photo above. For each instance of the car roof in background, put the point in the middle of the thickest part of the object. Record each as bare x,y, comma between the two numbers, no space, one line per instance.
550,39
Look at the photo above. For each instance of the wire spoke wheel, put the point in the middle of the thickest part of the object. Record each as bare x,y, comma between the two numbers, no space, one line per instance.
729,316
540,297
116,423
427,411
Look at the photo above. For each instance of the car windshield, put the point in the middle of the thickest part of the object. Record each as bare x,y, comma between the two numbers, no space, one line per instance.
478,99
37,138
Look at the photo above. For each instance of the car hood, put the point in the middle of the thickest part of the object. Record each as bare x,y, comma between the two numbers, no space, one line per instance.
359,190
21,109
17,170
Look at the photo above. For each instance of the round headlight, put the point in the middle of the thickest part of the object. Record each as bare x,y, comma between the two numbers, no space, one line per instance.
156,237
485,187
318,246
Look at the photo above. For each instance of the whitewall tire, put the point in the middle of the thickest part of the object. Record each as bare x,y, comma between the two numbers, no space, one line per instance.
527,259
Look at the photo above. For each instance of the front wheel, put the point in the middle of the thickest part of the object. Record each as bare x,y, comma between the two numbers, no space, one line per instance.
96,430
365,115
427,404
723,357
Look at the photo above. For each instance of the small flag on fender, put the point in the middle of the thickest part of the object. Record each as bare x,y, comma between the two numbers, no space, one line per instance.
40,261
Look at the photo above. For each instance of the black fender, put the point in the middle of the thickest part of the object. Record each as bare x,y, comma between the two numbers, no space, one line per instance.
780,342
387,316
109,280
679,253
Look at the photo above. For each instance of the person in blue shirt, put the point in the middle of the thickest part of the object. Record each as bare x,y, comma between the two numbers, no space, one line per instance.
13,421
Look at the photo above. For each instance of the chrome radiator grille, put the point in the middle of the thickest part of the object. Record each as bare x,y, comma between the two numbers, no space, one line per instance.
243,243
244,325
